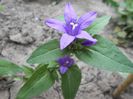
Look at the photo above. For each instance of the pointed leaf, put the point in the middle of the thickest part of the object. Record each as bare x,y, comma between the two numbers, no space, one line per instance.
53,65
9,68
70,82
105,55
28,71
46,53
40,81
98,25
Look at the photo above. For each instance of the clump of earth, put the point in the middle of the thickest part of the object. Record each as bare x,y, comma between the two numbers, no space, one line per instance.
22,30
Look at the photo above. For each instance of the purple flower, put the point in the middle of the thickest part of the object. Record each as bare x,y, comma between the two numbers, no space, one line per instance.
88,43
65,63
73,27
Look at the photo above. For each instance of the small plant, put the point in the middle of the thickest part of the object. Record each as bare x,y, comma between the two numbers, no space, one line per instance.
55,59
111,2
1,8
124,21
125,12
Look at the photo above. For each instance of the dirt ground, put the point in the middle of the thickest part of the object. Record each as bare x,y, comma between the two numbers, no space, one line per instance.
22,30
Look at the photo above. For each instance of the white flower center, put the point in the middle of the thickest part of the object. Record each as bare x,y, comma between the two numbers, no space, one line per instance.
67,62
73,25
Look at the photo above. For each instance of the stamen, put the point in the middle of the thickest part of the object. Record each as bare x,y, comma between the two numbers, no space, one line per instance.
67,62
73,25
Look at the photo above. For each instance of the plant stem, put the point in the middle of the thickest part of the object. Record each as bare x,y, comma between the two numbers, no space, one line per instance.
123,86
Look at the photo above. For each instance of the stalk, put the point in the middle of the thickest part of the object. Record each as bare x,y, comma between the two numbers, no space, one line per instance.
122,87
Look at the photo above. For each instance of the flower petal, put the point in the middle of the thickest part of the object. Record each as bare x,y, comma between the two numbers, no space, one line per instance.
87,36
68,61
61,61
69,13
58,25
66,40
87,19
71,62
63,69
88,43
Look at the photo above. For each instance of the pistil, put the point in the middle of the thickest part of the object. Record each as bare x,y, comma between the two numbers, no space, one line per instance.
73,25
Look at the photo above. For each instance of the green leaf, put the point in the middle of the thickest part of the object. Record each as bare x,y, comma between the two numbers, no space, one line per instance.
9,68
1,7
111,2
105,55
53,65
46,53
27,70
40,81
70,82
129,5
98,25
61,18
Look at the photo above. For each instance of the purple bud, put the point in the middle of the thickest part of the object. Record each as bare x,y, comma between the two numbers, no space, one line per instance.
65,63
